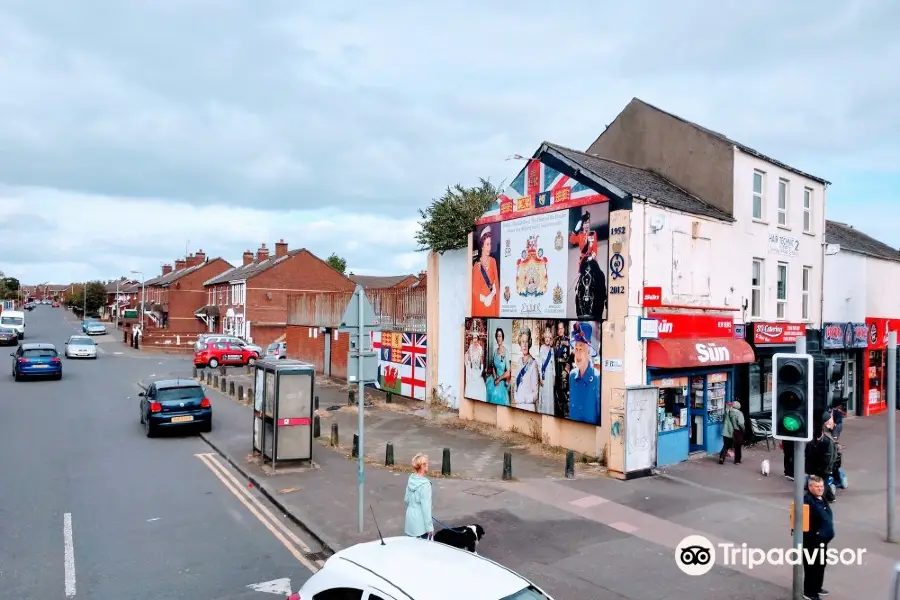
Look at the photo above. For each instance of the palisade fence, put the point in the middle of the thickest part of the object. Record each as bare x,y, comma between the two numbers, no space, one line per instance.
402,309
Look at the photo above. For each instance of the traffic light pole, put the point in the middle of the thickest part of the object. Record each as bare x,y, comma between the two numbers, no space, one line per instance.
891,433
799,492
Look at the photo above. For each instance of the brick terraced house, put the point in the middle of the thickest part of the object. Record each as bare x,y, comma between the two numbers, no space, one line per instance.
172,298
251,300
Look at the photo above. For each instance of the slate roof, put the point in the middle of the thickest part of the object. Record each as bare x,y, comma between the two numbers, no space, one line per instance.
641,183
253,269
174,276
850,238
375,282
744,148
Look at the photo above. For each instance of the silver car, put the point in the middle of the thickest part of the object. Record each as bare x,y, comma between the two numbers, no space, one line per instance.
95,328
81,346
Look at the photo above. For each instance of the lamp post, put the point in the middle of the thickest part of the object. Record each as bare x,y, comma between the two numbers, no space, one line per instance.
84,301
143,300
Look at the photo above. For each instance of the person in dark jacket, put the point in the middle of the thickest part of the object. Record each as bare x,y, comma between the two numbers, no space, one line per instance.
820,454
787,447
816,540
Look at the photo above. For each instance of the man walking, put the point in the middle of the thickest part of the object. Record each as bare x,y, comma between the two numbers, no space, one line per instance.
816,540
820,455
732,433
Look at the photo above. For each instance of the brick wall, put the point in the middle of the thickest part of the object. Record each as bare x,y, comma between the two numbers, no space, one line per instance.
308,344
187,295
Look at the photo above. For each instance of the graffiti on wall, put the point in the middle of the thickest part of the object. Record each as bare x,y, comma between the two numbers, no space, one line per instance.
401,362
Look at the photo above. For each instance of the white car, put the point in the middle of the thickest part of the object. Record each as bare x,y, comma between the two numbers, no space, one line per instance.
14,319
404,568
81,346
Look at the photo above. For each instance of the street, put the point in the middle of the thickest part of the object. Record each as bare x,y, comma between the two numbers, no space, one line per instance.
91,508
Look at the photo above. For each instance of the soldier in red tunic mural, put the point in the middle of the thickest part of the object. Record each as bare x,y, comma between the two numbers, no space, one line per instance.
590,289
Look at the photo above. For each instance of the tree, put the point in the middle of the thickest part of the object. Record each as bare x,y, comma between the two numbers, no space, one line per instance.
96,297
337,263
9,287
447,223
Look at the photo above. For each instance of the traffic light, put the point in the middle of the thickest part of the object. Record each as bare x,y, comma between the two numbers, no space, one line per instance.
792,397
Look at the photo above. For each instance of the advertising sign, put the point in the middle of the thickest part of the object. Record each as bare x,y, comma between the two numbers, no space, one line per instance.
651,297
777,333
693,325
783,245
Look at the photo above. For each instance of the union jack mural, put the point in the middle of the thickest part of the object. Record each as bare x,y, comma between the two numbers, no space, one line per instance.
401,362
537,189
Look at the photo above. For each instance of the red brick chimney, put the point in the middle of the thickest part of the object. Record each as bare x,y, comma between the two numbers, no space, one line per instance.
179,264
262,253
281,248
200,257
166,269
248,257
189,260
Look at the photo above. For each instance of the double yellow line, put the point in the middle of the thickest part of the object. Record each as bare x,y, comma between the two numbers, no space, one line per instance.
276,527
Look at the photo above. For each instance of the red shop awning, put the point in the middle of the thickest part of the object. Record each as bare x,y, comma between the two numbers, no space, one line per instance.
679,354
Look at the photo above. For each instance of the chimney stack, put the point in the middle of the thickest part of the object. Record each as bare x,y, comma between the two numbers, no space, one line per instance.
179,264
422,275
281,248
189,260
248,257
166,269
262,253
200,257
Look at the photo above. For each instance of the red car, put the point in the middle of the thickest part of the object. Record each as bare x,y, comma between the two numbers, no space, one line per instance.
223,353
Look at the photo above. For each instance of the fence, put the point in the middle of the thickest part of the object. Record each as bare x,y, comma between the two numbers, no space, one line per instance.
401,309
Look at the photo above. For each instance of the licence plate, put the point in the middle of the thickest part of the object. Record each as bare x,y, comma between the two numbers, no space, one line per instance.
40,366
183,419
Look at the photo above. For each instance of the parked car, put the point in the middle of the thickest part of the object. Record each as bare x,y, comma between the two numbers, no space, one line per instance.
95,328
278,351
207,338
218,353
174,403
9,336
14,319
407,567
81,346
36,360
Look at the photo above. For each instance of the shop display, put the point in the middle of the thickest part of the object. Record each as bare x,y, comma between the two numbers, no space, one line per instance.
671,408
715,397
876,377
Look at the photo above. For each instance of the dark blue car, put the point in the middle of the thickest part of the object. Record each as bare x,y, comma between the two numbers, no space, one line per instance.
36,360
175,403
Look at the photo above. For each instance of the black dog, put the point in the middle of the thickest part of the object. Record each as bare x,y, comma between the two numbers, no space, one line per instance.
464,538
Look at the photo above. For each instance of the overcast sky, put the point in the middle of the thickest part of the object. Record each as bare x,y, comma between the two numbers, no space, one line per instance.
132,130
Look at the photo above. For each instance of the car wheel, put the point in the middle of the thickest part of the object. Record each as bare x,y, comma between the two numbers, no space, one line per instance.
213,363
141,410
149,430
16,376
252,360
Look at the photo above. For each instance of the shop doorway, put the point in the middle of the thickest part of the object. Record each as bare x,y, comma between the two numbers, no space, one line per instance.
850,385
698,414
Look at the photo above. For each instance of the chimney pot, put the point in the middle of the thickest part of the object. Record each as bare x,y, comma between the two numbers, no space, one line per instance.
281,249
179,264
199,258
248,257
262,253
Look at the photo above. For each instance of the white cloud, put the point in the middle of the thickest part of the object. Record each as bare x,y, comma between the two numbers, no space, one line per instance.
274,120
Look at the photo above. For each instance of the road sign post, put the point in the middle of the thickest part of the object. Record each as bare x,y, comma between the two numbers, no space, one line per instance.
891,433
359,321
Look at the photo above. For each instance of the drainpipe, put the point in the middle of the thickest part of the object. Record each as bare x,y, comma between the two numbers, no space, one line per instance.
643,282
244,325
822,275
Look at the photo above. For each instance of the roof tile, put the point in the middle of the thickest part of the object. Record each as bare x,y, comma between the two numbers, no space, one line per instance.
850,238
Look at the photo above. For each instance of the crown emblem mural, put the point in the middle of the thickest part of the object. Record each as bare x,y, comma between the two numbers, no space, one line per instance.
558,242
531,270
557,295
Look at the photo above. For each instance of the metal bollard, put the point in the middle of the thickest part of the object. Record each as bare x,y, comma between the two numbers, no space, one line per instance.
335,441
316,403
231,388
351,398
507,466
355,452
222,381
216,381
125,336
137,342
390,398
317,426
240,393
222,370
445,463
570,464
249,394
248,369
389,455
195,372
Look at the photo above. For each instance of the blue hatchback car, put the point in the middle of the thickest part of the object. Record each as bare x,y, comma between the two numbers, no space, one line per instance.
36,360
175,403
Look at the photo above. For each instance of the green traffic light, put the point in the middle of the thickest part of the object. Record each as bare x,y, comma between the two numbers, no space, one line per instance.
791,423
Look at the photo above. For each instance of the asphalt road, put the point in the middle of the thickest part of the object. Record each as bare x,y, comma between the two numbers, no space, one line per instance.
91,508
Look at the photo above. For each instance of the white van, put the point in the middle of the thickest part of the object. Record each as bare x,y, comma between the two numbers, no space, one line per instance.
14,319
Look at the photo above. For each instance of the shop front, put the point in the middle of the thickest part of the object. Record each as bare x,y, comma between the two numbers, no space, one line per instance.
874,365
845,344
755,380
691,359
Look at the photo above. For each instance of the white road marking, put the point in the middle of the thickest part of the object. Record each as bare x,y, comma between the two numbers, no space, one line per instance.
69,544
153,519
276,586
118,353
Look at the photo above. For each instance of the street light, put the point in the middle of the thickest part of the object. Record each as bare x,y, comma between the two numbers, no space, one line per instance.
141,273
84,299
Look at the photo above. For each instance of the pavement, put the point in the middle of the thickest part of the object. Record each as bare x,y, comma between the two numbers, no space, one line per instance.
91,508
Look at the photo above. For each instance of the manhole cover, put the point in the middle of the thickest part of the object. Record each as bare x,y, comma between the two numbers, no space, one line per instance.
484,492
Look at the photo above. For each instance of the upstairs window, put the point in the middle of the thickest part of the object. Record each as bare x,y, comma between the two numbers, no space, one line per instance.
783,202
782,297
756,288
807,210
759,180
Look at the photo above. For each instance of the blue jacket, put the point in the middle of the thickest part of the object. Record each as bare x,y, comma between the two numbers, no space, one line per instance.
584,396
821,521
418,506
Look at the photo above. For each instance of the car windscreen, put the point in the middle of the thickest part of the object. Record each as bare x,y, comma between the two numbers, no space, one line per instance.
7,330
273,346
80,341
188,392
39,353
529,593
16,321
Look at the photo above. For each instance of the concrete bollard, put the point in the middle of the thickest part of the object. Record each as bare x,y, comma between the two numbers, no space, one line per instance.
231,389
445,463
570,464
137,342
249,394
195,372
355,452
316,403
222,370
317,426
248,369
335,441
390,398
507,466
389,455
125,336
240,393
209,378
351,398
223,381
216,381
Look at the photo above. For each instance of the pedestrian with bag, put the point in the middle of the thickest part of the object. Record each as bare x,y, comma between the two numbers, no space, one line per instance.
816,540
820,455
418,500
732,433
